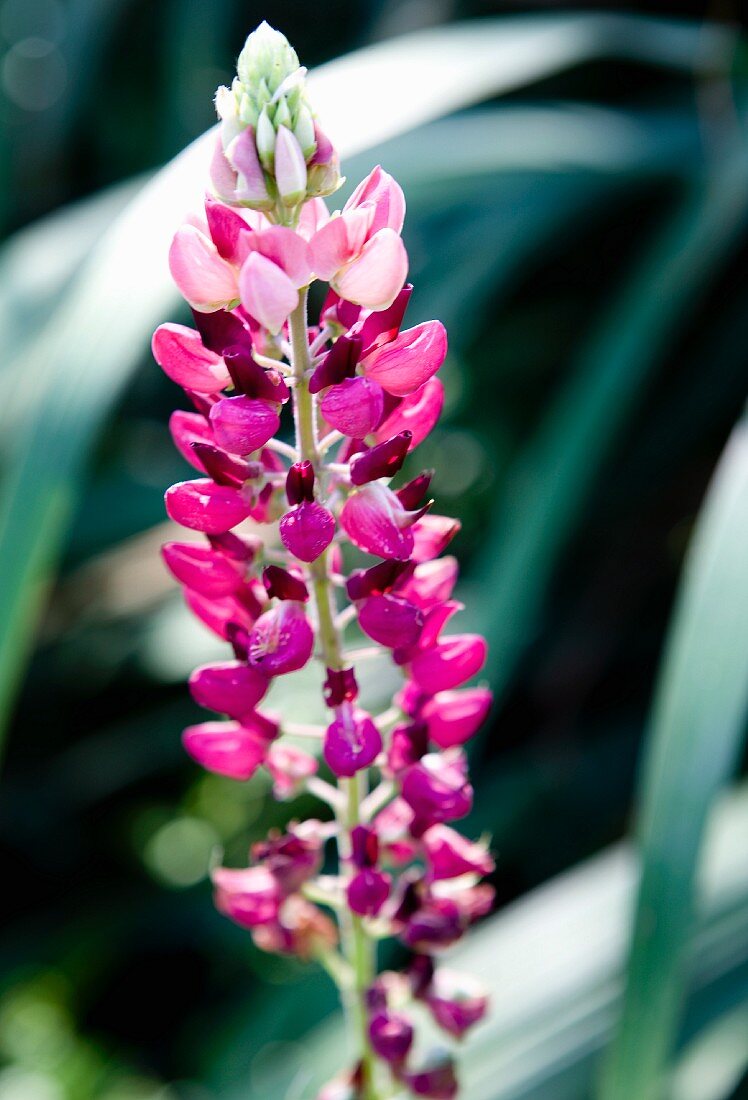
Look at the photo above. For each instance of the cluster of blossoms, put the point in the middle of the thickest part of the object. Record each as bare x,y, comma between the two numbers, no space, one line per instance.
364,394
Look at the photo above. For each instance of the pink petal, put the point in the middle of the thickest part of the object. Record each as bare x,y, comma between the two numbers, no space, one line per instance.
376,276
250,184
281,640
353,407
204,506
450,854
222,175
307,530
206,280
330,249
352,742
433,534
288,250
180,353
251,896
219,613
391,621
187,428
267,292
289,767
227,748
418,413
406,363
289,168
432,582
230,687
453,717
228,230
450,663
244,424
386,195
372,518
202,568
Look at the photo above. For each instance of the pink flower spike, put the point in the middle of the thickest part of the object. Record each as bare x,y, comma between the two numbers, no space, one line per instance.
454,716
367,892
187,428
250,897
375,521
450,854
202,505
391,621
404,365
204,278
418,413
267,293
288,767
232,688
244,424
226,748
202,568
381,191
307,530
352,742
180,353
354,407
450,663
281,640
376,276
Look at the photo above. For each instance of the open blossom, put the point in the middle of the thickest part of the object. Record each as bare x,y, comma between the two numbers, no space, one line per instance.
305,428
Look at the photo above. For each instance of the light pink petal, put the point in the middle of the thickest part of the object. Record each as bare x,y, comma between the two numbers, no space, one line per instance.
250,184
204,506
222,175
376,276
386,195
187,428
289,168
289,767
288,250
404,365
204,278
267,292
180,353
330,249
251,896
314,214
432,534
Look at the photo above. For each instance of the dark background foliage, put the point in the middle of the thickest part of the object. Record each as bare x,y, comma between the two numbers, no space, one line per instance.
117,976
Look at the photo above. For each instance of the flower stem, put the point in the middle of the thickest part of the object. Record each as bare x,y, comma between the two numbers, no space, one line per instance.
358,948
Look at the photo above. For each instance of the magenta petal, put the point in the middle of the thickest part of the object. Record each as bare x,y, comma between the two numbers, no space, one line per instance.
404,365
187,428
373,518
433,534
289,767
202,568
307,530
244,424
391,621
281,640
352,742
437,1081
450,854
418,413
218,614
454,716
226,748
231,687
250,185
437,788
431,583
367,892
227,229
450,663
354,407
250,897
205,279
180,353
391,1036
204,506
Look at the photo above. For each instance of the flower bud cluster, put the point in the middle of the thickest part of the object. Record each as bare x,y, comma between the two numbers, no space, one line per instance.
348,552
270,153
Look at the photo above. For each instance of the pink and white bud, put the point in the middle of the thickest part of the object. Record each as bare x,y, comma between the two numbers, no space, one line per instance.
352,741
418,413
226,748
390,620
202,568
450,854
180,353
454,716
230,687
203,277
437,788
450,663
408,362
281,640
307,530
202,505
354,406
375,521
243,424
250,897
290,168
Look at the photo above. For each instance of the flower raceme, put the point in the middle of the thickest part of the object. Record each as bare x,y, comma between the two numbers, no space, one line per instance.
353,550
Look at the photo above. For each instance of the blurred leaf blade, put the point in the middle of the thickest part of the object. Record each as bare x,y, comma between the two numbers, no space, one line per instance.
698,724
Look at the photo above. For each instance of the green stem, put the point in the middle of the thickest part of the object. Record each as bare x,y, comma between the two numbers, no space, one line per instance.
358,948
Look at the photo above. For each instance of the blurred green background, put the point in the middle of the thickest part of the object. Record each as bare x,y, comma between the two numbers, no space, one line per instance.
578,214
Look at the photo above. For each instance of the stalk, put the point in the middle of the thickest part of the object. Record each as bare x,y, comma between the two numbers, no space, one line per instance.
358,948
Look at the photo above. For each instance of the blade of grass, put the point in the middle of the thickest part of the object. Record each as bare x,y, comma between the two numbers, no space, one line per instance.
698,722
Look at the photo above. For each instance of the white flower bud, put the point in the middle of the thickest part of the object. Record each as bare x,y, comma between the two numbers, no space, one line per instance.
265,138
290,168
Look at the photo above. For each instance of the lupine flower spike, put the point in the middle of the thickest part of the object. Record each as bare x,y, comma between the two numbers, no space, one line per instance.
351,547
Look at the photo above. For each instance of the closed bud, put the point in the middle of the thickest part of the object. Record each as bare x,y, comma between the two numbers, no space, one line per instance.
290,168
265,140
304,132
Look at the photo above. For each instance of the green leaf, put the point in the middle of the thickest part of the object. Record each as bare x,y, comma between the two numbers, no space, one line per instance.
698,723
